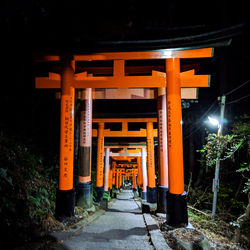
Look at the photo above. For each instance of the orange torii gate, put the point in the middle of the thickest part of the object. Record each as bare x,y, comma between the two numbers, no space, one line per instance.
172,79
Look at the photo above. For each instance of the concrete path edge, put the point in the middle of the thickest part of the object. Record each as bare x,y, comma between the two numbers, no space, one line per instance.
156,236
66,235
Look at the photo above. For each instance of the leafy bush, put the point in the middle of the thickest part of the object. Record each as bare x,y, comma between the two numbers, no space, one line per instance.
106,196
27,187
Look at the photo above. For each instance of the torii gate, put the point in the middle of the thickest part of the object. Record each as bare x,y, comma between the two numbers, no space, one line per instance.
172,79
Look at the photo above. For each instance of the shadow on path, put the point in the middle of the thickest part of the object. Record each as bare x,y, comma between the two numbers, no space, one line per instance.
135,211
114,234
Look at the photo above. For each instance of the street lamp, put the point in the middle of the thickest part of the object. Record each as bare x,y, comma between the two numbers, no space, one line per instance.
215,122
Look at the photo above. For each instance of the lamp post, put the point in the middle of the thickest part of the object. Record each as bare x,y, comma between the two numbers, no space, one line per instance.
217,167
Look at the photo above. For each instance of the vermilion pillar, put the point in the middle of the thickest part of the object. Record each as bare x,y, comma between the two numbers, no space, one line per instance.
134,180
99,165
140,181
110,179
113,173
84,185
151,189
162,188
106,171
120,178
176,198
117,179
65,203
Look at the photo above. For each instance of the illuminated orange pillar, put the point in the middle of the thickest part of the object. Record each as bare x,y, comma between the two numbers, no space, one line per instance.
65,194
110,178
144,174
106,171
151,189
99,165
134,180
176,199
140,181
162,152
116,179
114,173
84,185
120,178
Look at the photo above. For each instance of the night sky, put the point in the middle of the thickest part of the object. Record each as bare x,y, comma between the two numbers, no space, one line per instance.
29,27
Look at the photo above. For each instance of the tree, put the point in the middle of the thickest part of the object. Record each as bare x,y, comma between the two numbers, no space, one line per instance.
226,147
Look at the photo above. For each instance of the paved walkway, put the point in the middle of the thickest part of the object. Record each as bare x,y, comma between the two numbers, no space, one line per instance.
121,227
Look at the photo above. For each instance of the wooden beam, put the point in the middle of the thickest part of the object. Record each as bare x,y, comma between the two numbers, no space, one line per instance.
156,80
129,70
108,133
124,132
126,147
141,55
120,120
137,55
125,154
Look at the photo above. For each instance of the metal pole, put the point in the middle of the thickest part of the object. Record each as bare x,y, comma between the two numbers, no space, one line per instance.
217,167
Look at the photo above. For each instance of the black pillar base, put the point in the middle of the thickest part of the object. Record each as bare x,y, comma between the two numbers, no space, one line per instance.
151,195
177,209
115,192
84,194
100,192
162,199
65,204
135,192
143,195
140,191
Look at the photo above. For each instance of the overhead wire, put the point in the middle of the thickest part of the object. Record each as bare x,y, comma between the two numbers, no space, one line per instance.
239,99
202,117
234,101
233,90
195,130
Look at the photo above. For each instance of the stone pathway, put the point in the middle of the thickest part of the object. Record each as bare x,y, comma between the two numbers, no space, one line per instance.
121,227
